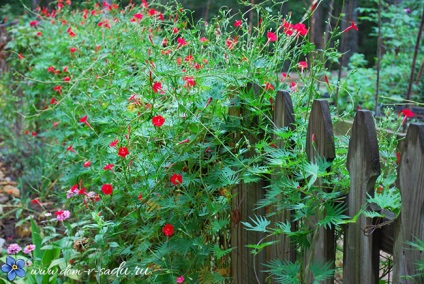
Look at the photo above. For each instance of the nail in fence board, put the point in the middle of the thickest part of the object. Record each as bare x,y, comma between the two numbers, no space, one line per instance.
411,220
361,258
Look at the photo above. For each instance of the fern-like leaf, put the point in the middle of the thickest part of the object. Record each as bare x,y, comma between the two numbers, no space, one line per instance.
283,271
260,224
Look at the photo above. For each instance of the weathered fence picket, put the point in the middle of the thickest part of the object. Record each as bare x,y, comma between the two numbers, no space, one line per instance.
246,267
283,117
319,145
410,223
361,257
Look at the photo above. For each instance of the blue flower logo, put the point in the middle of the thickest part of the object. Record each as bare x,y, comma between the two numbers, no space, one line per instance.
13,268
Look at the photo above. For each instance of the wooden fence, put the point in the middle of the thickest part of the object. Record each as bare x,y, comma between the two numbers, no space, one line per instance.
361,251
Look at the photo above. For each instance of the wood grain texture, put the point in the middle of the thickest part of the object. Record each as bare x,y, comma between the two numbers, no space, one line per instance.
320,144
246,268
283,117
361,257
411,219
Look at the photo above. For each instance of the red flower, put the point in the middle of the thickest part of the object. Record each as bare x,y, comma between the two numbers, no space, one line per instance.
73,49
189,81
87,164
407,113
33,23
58,89
51,69
107,189
268,86
157,88
138,16
168,230
140,196
20,56
175,30
181,42
67,79
238,23
185,140
203,40
158,121
108,167
36,201
352,26
113,143
271,36
70,149
84,120
177,179
300,29
302,65
123,152
53,101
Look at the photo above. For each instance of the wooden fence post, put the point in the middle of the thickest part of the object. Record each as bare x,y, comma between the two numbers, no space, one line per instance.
283,117
361,256
410,223
320,144
245,267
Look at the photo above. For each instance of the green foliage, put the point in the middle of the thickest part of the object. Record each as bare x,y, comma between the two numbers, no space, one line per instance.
399,29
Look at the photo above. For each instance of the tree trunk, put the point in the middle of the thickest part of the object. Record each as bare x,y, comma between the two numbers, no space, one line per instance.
316,26
349,39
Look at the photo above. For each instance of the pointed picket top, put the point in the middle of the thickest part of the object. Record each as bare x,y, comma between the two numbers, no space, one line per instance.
360,255
411,223
320,144
283,111
320,136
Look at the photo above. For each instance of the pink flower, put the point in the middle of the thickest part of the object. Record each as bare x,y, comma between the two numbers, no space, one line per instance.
180,279
158,121
72,191
29,248
13,249
62,215
271,36
203,40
